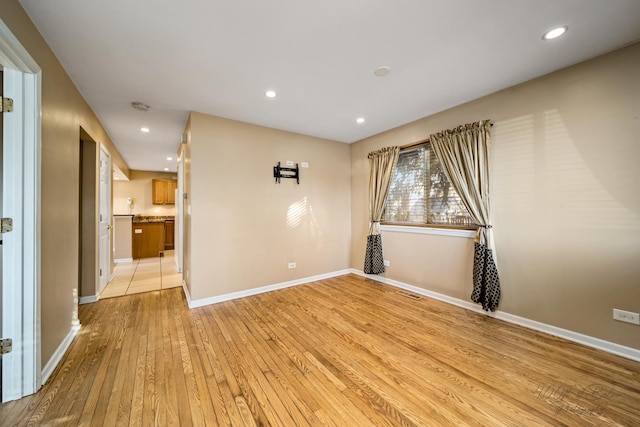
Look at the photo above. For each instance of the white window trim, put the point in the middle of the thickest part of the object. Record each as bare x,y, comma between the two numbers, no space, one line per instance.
469,234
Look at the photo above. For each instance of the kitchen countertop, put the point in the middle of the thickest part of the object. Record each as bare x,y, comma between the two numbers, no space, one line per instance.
145,219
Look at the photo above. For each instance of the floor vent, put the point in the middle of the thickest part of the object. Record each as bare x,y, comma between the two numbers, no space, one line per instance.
410,295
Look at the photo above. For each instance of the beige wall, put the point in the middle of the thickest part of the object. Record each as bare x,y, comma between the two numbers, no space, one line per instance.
245,227
565,195
64,111
139,189
123,238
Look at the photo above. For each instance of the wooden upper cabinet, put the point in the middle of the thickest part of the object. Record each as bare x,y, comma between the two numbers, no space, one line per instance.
159,191
171,192
163,191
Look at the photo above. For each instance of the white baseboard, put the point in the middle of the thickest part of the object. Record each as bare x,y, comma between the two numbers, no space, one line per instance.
89,299
123,260
613,348
609,347
260,290
59,353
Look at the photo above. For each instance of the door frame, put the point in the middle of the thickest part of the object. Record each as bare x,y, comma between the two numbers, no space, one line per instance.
21,257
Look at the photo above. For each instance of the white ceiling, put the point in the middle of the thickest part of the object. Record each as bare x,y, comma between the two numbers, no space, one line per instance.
219,57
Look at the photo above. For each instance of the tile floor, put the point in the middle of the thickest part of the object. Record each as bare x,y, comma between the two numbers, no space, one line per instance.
143,275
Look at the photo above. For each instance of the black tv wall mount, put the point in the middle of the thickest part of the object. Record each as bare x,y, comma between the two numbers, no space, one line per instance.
293,173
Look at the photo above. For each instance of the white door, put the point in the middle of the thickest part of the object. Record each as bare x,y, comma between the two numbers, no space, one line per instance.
1,216
20,284
12,363
180,214
104,220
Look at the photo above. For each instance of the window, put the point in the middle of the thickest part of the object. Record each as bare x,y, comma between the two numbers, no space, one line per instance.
421,194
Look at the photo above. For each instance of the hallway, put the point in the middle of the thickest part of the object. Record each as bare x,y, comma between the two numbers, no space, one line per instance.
143,275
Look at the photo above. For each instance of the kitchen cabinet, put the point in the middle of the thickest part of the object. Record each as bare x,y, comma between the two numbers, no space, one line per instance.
169,231
163,191
148,239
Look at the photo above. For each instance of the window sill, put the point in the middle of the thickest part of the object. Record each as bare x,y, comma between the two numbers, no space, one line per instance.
428,230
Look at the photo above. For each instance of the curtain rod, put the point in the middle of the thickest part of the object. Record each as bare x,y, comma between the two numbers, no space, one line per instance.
424,141
414,144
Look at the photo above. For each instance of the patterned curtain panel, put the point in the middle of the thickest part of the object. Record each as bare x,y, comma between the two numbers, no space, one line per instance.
381,166
464,155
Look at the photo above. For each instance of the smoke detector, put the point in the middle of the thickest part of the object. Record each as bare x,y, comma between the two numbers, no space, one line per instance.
140,106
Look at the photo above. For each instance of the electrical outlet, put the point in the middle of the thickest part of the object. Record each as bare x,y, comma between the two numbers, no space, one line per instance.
289,162
387,263
304,165
626,316
292,265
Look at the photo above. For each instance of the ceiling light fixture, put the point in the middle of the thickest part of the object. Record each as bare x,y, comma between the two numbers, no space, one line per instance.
140,106
382,71
169,158
555,33
360,120
270,94
145,130
166,169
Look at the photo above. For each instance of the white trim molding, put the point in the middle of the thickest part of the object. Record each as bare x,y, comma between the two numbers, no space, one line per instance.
255,291
59,353
609,347
13,54
454,232
88,300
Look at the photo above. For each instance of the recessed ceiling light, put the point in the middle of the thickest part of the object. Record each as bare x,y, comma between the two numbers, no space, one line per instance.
145,130
166,169
360,120
382,71
270,94
169,158
555,33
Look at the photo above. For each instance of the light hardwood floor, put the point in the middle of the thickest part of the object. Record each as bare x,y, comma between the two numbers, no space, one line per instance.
345,351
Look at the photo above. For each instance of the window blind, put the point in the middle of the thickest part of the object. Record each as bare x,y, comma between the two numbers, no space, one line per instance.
421,194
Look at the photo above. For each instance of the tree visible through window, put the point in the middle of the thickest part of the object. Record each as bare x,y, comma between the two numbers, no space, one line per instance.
421,194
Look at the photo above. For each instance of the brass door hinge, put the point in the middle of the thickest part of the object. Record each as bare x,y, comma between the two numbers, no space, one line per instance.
6,345
7,105
6,225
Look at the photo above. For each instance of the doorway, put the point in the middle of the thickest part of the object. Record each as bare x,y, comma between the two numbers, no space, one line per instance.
94,261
